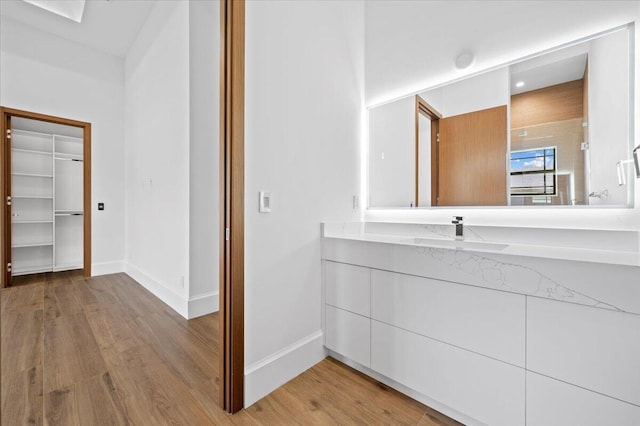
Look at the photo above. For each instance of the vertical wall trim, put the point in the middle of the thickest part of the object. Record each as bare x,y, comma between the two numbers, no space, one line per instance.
86,152
232,22
5,212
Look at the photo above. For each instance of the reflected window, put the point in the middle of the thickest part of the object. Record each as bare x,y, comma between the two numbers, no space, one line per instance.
533,172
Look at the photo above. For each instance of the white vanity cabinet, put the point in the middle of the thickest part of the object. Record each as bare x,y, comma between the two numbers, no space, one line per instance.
347,307
596,349
554,403
348,287
484,389
485,356
430,335
476,319
458,344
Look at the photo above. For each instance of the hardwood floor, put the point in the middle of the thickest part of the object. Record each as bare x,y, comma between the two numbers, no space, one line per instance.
105,351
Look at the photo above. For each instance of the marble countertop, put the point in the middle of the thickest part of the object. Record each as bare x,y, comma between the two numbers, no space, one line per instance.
475,243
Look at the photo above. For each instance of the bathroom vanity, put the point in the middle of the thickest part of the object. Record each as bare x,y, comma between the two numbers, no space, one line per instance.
511,326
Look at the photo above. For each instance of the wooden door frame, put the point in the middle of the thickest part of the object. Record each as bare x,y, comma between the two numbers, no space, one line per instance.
423,108
5,177
232,32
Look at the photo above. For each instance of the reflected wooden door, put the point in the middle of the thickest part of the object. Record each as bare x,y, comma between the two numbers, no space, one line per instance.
472,159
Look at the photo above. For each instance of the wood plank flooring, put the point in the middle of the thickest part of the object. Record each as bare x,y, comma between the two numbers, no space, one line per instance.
105,351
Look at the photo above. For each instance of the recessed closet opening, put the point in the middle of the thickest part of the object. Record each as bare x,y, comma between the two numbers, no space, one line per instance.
46,191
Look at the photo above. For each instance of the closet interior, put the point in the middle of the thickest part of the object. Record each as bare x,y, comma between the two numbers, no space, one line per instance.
47,197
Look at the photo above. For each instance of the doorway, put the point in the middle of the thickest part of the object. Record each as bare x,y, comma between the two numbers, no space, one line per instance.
46,191
427,134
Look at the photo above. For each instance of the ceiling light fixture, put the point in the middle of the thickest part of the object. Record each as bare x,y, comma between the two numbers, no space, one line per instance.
464,60
70,9
520,84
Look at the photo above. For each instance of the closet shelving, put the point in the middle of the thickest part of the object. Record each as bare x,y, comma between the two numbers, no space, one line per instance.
47,202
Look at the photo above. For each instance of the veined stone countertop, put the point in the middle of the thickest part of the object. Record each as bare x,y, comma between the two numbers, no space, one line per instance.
594,246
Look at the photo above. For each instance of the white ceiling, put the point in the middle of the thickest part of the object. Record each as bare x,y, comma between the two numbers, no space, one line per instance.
549,74
556,67
109,26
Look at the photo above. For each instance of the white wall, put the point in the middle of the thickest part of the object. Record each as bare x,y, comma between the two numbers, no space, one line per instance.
392,141
47,74
304,97
483,91
411,45
204,198
608,115
399,63
157,131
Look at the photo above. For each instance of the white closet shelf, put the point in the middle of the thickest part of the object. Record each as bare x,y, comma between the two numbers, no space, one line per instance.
32,175
68,266
46,244
64,156
31,132
32,270
69,138
59,213
33,197
30,151
19,222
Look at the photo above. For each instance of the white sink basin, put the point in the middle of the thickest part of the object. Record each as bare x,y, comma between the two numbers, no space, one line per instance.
457,244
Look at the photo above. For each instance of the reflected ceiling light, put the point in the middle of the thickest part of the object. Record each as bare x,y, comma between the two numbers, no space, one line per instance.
520,84
464,59
70,9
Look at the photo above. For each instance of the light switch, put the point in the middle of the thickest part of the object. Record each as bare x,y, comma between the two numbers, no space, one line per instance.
265,202
100,206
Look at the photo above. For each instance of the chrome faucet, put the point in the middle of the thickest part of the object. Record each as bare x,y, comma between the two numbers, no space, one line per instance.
457,221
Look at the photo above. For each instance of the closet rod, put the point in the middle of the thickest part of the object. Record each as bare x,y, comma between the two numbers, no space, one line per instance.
68,159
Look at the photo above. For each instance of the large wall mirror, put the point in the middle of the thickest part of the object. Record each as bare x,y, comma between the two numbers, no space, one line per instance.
553,129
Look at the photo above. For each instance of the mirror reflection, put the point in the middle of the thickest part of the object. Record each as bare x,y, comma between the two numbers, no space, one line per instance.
550,130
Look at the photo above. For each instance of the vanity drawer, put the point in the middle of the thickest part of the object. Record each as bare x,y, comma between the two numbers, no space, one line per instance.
485,321
487,390
554,403
597,349
348,287
348,334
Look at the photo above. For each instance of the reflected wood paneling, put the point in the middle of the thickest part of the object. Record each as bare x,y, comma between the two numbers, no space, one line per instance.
554,103
553,116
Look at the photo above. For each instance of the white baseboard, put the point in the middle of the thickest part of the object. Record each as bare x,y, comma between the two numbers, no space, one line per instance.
162,292
204,304
105,268
266,375
444,409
